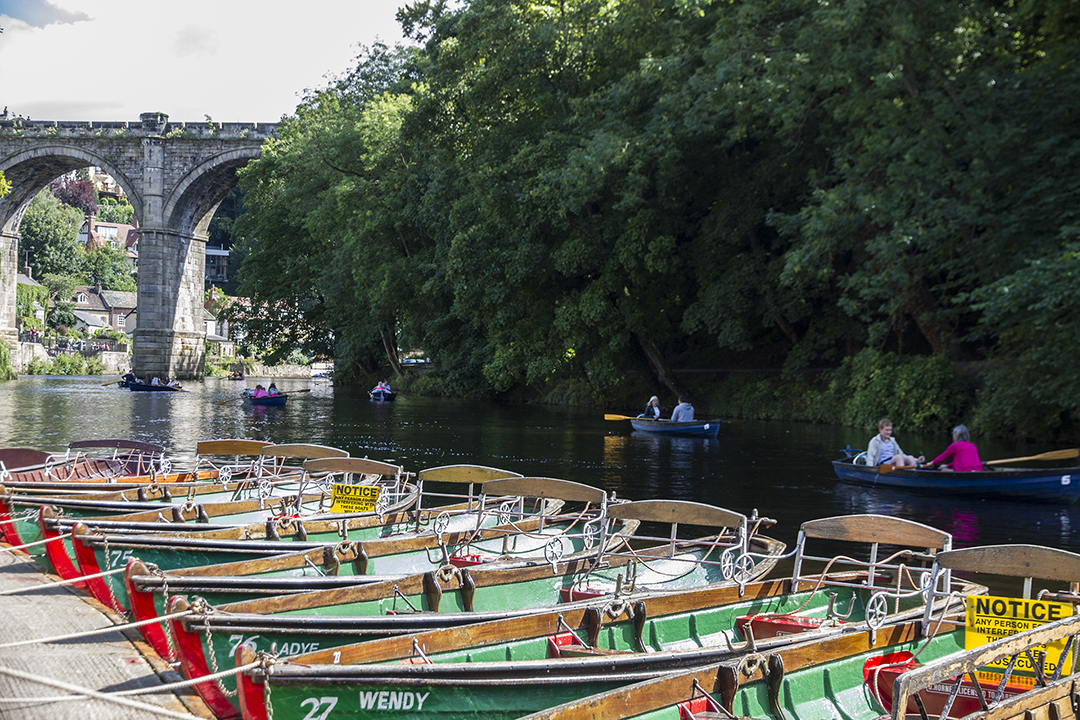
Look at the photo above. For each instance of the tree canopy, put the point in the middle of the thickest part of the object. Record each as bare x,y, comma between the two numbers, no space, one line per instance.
548,194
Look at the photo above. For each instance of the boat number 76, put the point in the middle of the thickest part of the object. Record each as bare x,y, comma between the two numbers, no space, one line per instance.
316,705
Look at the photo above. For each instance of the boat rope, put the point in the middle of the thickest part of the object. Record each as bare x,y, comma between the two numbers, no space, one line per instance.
32,544
200,605
910,661
24,515
98,631
108,566
120,697
823,576
157,572
59,583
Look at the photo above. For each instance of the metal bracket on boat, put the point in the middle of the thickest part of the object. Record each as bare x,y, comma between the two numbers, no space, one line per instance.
506,511
441,523
877,610
562,623
399,594
554,551
590,532
831,613
417,650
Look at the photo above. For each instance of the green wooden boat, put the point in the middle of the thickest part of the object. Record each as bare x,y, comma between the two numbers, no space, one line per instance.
455,596
21,516
843,677
420,536
524,536
573,652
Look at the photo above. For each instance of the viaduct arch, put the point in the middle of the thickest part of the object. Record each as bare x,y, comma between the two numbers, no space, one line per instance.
175,175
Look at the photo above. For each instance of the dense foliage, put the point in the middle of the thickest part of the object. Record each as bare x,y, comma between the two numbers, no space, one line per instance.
78,192
558,196
49,244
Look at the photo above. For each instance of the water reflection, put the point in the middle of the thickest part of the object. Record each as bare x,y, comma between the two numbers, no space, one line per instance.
980,522
781,469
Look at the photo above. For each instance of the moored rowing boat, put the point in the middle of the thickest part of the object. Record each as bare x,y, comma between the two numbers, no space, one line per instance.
578,650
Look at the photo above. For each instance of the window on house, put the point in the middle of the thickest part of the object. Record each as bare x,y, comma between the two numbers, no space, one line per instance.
121,321
81,299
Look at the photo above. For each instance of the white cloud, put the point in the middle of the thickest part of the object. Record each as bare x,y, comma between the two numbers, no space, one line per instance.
232,60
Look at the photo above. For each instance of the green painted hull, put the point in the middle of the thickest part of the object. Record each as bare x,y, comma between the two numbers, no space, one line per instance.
477,682
335,623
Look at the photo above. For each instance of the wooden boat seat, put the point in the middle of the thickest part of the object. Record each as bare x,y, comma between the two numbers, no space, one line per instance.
1023,561
118,444
356,466
303,451
231,447
677,512
16,458
538,487
464,474
877,529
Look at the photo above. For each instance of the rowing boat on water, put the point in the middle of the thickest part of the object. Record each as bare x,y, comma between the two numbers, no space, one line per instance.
845,676
1051,485
85,461
696,428
577,651
455,596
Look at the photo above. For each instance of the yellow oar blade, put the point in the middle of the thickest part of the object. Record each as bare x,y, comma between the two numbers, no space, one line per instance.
618,417
1052,455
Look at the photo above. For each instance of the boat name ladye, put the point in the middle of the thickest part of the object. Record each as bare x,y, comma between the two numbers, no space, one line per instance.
293,648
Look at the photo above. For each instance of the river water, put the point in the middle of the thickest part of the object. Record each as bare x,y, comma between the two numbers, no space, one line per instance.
781,469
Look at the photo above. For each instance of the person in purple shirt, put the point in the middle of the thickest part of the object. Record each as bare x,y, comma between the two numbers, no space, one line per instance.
962,452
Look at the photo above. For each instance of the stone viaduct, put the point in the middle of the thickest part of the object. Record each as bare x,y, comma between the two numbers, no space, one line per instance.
175,175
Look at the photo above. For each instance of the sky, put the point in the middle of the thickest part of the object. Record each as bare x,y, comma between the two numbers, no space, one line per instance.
231,60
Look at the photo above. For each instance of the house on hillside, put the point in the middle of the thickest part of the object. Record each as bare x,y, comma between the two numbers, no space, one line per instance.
110,307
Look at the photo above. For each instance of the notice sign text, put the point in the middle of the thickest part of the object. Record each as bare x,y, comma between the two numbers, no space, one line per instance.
993,618
354,498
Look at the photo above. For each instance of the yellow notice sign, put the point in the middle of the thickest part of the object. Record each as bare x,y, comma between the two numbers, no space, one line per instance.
993,618
354,498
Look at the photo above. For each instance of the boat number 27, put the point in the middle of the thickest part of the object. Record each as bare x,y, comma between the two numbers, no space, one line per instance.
317,705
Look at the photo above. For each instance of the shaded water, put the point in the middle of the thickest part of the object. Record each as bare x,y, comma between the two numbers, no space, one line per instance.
781,469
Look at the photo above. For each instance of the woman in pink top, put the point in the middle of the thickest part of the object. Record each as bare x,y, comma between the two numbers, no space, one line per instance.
964,454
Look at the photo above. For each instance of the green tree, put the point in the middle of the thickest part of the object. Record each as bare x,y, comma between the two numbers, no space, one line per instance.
110,267
110,211
49,236
5,186
61,292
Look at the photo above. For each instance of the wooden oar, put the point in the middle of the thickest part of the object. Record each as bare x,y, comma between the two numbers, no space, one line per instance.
291,392
628,417
1052,455
111,383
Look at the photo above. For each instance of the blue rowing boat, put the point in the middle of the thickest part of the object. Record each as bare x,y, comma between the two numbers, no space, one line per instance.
274,400
697,428
1049,485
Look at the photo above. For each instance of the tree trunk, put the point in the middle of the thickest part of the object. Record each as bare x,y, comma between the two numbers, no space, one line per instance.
921,305
390,345
663,372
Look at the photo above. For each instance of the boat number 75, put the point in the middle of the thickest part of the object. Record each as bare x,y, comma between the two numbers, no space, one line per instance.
316,705
119,558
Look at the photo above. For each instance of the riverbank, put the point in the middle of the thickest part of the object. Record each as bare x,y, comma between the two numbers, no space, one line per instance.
110,662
